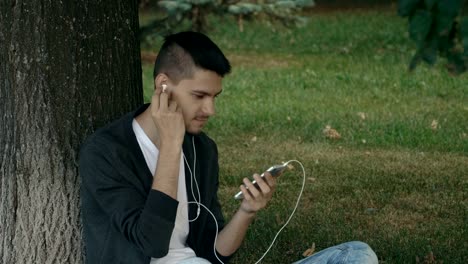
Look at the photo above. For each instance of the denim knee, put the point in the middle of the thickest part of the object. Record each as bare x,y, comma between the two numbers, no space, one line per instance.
362,251
354,252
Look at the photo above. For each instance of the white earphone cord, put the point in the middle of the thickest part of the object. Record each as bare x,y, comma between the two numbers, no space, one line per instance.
198,203
192,177
293,212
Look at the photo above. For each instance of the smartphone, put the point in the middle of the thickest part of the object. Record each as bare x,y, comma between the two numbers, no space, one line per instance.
275,171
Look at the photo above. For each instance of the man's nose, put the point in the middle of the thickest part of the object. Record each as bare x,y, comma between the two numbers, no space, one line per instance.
209,107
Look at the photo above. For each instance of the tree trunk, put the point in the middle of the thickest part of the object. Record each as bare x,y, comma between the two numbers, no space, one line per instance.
66,68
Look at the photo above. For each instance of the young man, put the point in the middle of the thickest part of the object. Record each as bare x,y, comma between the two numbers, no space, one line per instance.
150,179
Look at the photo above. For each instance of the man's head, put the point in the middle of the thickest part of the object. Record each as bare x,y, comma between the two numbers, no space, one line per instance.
185,52
192,67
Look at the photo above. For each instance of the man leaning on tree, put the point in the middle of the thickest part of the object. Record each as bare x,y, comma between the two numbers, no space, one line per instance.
150,179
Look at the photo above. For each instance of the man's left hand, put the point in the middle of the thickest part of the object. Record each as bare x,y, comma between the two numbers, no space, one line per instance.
257,198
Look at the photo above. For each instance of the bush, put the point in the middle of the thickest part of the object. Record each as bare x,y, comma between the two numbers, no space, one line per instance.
439,27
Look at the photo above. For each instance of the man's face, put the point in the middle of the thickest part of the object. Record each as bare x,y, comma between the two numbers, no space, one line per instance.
196,97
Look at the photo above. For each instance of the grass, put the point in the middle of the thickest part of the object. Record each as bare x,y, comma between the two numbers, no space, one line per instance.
395,179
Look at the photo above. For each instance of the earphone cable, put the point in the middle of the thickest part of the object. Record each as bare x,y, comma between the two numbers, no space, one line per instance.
192,177
199,204
293,212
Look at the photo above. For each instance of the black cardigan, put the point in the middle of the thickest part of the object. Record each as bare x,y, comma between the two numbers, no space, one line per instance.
124,220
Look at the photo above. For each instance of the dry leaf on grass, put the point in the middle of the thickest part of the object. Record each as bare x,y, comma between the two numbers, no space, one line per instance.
278,219
310,251
434,125
254,139
429,259
362,115
331,133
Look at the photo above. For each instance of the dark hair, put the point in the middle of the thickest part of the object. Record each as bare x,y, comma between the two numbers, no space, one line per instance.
183,52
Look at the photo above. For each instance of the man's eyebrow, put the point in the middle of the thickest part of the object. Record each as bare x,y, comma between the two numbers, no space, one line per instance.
205,93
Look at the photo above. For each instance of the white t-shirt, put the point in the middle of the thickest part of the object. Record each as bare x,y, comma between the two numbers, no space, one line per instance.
178,249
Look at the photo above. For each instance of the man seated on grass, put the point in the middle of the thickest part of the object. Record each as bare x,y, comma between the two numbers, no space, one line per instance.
142,173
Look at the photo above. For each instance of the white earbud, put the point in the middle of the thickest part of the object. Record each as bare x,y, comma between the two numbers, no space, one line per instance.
164,88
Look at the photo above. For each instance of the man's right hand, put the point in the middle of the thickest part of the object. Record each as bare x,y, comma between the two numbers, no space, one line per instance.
170,128
168,119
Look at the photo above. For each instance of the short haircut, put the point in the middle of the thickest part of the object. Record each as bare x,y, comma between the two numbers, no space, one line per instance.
182,53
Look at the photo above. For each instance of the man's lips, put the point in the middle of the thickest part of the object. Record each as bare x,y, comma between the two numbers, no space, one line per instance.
201,119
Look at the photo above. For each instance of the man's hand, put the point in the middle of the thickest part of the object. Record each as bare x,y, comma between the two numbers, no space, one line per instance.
168,119
256,198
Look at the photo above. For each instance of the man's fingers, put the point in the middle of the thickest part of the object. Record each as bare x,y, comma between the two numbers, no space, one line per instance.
251,188
270,180
172,106
246,193
163,101
155,99
262,184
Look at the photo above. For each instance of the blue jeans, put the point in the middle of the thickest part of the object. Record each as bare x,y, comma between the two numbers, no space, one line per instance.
354,252
350,252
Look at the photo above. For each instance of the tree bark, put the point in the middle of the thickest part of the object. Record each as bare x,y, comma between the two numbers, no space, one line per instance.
66,68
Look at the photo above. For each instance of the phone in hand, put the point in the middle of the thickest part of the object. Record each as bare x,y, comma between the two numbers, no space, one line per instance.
275,171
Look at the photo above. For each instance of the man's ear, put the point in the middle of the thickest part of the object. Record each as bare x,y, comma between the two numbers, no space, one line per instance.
159,80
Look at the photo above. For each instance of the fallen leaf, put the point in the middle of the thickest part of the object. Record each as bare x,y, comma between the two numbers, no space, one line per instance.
288,118
434,125
310,251
278,219
362,115
331,133
254,139
363,141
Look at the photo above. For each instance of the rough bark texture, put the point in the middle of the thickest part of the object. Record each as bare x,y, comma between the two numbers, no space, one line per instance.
66,68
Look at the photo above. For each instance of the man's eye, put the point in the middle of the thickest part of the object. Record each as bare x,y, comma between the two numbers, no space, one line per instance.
198,96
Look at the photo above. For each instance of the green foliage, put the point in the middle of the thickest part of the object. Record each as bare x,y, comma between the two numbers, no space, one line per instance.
438,27
406,7
244,8
175,7
193,13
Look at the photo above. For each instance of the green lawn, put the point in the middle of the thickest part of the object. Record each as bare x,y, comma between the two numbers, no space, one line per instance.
398,176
